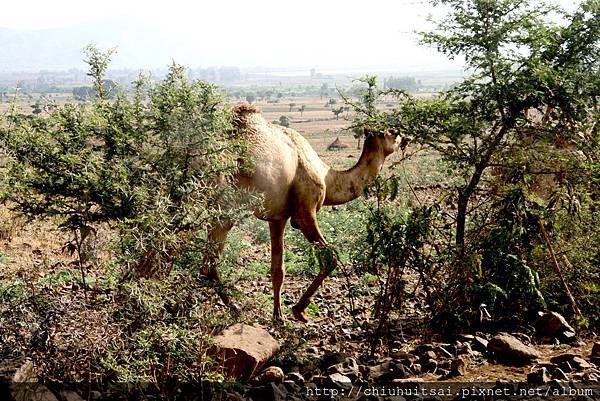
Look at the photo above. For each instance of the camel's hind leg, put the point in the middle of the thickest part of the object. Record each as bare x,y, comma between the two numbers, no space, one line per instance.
214,249
311,231
277,229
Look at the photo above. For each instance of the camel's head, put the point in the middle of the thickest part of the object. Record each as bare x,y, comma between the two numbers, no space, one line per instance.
390,140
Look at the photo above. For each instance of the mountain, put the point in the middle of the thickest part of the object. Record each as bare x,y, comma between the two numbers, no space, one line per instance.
138,45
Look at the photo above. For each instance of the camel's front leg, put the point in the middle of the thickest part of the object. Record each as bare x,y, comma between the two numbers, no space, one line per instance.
311,231
214,249
277,229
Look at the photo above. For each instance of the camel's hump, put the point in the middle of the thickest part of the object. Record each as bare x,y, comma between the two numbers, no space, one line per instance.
245,108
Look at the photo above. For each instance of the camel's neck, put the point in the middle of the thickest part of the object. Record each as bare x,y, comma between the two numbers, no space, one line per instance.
344,186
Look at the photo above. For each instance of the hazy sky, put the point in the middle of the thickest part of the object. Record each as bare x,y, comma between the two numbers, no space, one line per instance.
335,33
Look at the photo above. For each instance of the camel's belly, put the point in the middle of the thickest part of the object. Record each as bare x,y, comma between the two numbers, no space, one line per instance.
272,177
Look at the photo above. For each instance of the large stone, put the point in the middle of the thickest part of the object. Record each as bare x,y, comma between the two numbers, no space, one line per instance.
480,343
596,350
243,349
269,392
19,382
552,324
458,367
272,374
387,371
574,361
538,376
508,349
347,368
339,381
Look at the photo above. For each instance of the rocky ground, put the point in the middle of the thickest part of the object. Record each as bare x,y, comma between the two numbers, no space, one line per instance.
331,356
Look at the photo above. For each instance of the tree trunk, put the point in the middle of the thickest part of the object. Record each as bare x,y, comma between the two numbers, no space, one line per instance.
461,218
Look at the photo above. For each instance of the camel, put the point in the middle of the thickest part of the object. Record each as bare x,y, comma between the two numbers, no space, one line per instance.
295,184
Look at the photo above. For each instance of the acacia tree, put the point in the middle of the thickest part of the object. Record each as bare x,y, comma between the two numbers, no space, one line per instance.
532,84
526,76
337,112
158,165
302,109
532,88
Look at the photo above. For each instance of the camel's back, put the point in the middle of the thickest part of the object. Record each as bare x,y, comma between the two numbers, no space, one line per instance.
280,156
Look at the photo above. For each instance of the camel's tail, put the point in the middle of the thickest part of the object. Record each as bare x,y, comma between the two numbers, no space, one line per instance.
241,113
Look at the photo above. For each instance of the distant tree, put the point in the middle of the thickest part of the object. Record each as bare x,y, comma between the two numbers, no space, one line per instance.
292,106
324,91
337,112
83,93
404,83
36,108
250,98
284,121
358,133
301,109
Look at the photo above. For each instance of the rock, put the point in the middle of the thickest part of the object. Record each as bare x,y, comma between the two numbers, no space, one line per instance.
480,344
339,381
568,336
296,378
319,380
458,367
553,324
272,374
68,395
428,355
292,387
269,392
443,352
596,350
423,348
580,363
409,380
19,382
429,366
416,368
332,358
402,355
559,374
574,361
31,392
464,349
243,349
348,368
387,371
507,348
233,396
539,376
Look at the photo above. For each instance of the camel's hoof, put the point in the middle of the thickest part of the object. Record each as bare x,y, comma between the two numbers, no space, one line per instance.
278,317
300,315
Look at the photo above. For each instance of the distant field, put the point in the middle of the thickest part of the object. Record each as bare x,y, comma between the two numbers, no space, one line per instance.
317,124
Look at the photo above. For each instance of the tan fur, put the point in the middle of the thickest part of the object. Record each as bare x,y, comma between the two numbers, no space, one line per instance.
295,183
